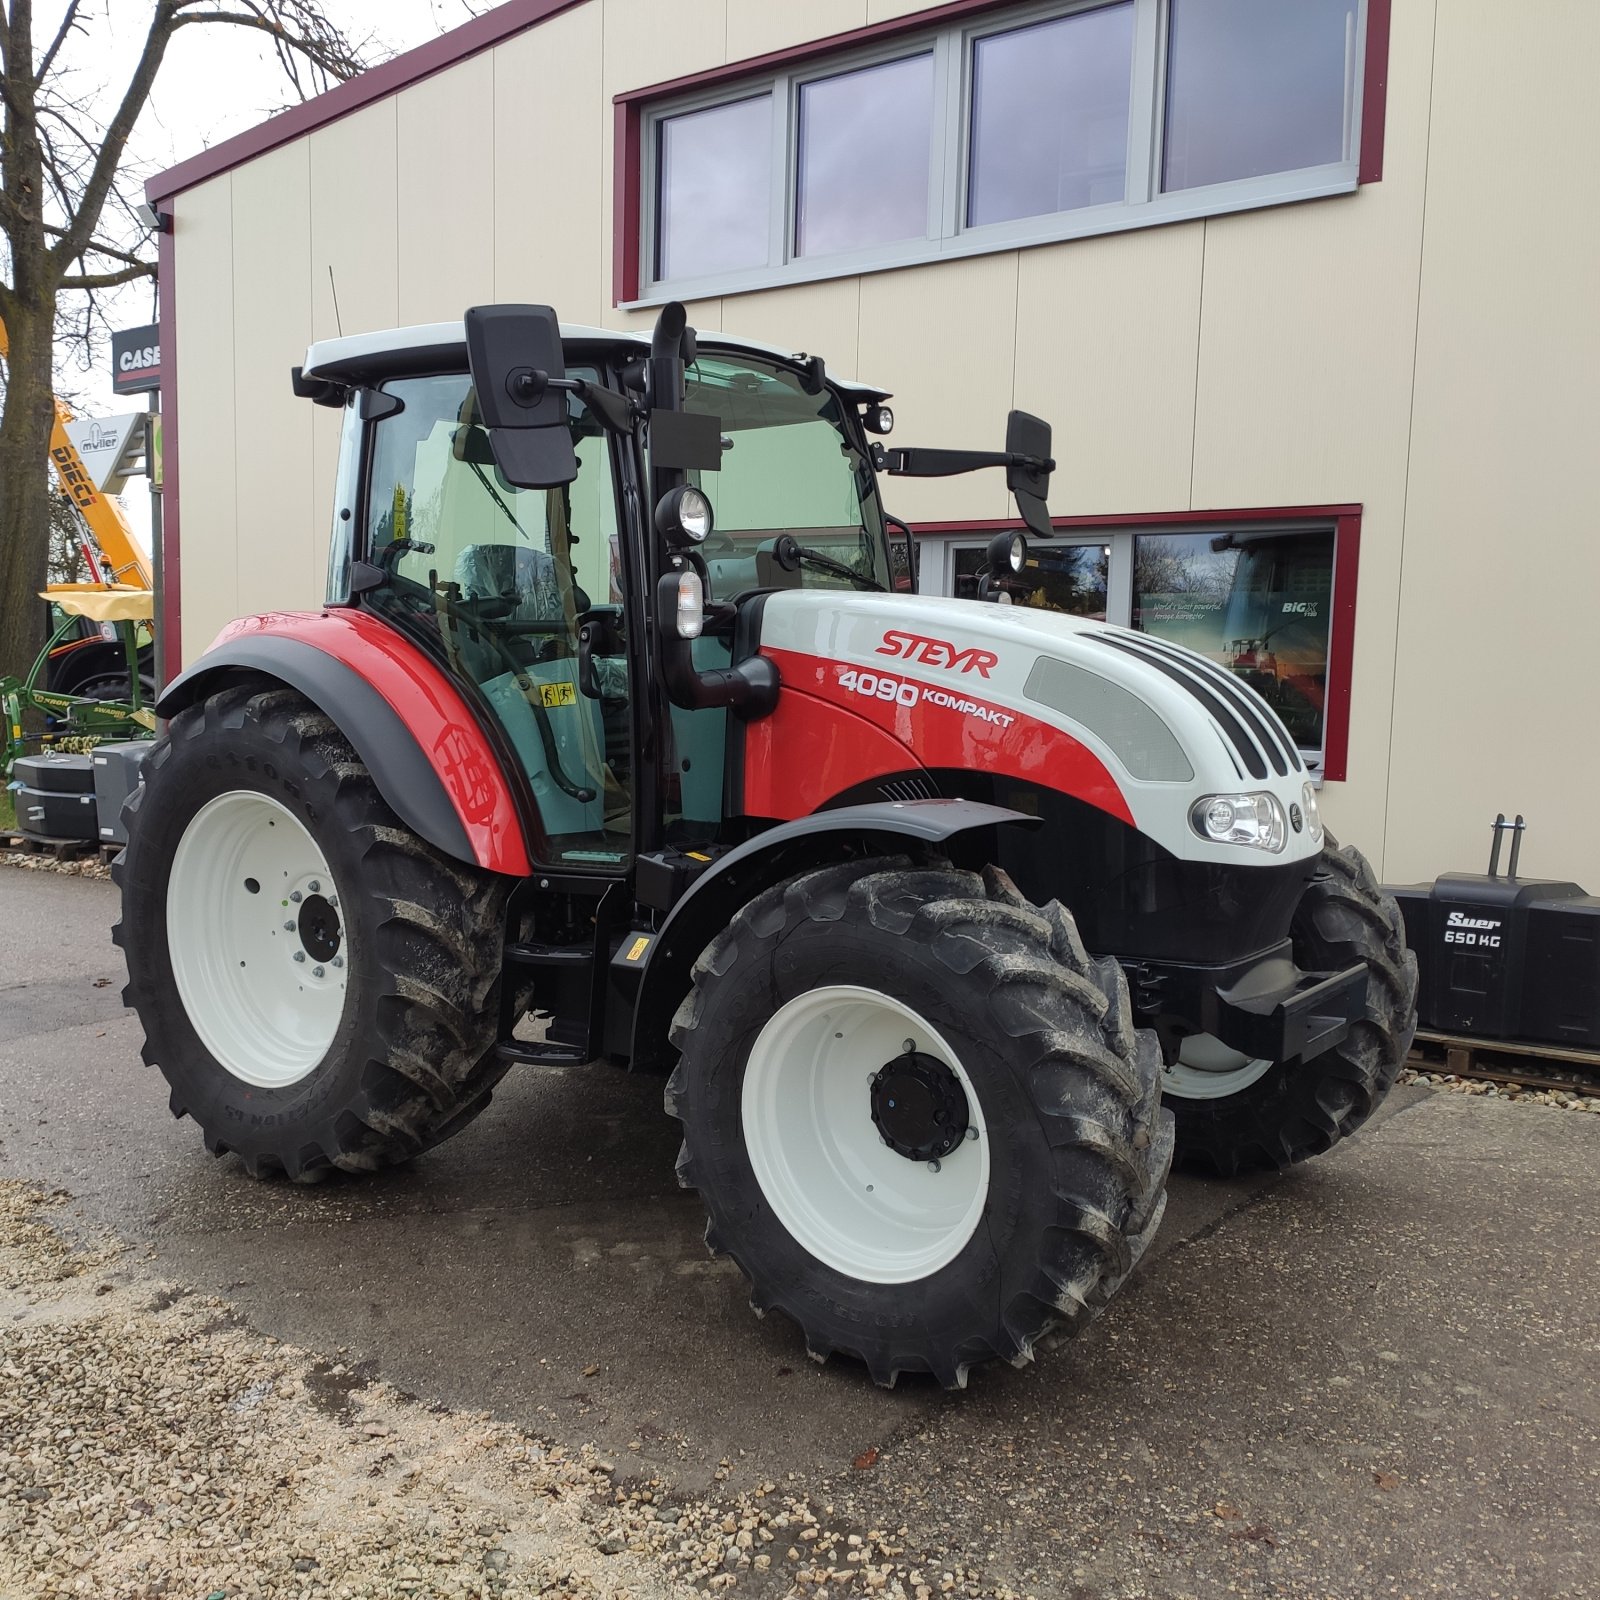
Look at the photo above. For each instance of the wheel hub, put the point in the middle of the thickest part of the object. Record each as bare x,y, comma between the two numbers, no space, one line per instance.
919,1107
319,928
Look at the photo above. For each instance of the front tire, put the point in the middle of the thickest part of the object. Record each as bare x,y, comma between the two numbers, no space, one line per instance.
318,986
1234,1114
919,1116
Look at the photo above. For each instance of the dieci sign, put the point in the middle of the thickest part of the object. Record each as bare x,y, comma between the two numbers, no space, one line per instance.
136,360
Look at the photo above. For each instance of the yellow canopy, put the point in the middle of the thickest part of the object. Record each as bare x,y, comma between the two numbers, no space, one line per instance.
103,602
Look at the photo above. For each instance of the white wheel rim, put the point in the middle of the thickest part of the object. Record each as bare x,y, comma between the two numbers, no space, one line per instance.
258,983
1207,1069
844,1195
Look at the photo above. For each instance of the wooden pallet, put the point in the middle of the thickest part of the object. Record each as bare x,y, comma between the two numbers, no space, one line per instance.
32,844
1534,1066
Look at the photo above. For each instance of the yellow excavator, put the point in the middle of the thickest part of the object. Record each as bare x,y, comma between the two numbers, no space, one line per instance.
92,680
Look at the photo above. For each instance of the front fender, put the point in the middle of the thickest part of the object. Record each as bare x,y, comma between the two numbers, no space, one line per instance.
427,753
782,852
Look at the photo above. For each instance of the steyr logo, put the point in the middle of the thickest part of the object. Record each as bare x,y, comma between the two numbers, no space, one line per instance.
936,653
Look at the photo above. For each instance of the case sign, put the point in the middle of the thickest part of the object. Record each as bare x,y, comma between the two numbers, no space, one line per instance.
136,360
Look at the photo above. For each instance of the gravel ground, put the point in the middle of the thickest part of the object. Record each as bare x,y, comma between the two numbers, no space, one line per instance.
151,1446
83,867
1574,1099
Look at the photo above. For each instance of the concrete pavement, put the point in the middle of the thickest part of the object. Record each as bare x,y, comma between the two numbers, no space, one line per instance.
1372,1376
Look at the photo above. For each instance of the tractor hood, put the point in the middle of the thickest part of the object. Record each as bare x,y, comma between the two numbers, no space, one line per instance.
1134,725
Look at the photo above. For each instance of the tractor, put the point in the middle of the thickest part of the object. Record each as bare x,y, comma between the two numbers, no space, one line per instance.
616,740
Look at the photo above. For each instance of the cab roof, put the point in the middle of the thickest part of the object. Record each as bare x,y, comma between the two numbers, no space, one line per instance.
442,347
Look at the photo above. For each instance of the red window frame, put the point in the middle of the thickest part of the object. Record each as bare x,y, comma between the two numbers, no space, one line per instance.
1346,520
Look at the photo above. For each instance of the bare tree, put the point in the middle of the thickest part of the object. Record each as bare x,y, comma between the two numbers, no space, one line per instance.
63,184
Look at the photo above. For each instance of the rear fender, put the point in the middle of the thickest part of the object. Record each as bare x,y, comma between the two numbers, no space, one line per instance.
964,830
431,760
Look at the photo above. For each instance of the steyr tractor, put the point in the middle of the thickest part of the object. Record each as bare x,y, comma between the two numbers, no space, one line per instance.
618,738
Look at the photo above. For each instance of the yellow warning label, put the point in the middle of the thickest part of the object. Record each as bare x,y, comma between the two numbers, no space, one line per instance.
557,694
637,948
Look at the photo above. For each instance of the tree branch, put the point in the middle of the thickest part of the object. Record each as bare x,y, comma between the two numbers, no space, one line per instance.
109,280
98,247
48,59
75,240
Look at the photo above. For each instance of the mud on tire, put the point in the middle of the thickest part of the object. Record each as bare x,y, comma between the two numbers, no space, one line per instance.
1301,1109
412,1059
1067,1098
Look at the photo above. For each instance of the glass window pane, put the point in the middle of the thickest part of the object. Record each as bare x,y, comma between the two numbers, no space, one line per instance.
1259,607
1256,86
864,145
713,189
1050,116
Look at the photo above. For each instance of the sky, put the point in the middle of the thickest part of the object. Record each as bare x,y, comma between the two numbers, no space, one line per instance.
215,82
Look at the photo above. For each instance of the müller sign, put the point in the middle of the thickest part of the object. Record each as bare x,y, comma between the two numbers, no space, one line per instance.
136,360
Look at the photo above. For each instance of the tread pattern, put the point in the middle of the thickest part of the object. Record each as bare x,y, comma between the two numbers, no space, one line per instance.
1093,1081
427,1061
1302,1109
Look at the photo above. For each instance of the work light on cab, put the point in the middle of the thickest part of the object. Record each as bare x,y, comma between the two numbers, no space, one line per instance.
683,515
1008,554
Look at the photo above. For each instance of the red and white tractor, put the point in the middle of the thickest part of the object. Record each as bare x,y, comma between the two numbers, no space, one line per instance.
615,739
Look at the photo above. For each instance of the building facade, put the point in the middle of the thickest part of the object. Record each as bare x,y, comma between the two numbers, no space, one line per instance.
1307,289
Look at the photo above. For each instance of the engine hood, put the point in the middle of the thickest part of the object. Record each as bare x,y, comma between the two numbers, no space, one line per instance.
1166,725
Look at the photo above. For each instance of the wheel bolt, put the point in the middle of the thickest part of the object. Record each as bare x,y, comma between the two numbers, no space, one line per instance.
317,972
314,886
933,1166
299,955
909,1046
288,927
333,902
338,961
972,1133
294,895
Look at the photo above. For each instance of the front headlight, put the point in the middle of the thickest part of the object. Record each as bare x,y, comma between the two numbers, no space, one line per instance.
1308,804
1253,820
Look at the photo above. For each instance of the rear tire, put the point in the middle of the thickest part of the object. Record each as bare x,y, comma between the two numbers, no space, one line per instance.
1293,1110
389,1047
1032,1223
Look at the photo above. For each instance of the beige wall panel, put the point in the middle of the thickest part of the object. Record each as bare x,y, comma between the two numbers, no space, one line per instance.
354,223
549,205
822,319
202,244
1107,331
1499,656
942,338
757,26
354,227
649,42
887,10
272,296
446,192
1308,325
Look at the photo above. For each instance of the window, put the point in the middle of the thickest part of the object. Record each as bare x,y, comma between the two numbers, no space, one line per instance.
1257,86
714,177
1050,116
787,467
1017,125
1256,597
1258,605
847,198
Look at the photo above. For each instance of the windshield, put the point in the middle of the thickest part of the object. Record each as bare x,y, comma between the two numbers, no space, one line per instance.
788,466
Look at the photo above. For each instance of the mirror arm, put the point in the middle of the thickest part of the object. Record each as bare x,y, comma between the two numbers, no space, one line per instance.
916,463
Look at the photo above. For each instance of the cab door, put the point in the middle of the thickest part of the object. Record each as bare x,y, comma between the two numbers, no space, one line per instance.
502,582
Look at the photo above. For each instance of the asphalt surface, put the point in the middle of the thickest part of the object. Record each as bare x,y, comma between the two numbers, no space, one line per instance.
1372,1376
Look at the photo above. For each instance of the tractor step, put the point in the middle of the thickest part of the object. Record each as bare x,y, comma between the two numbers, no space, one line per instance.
538,1053
568,956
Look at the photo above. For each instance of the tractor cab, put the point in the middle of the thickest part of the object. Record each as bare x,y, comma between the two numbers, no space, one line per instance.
528,579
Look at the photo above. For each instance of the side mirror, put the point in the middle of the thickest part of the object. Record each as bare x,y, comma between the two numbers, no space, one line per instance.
519,376
1029,480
